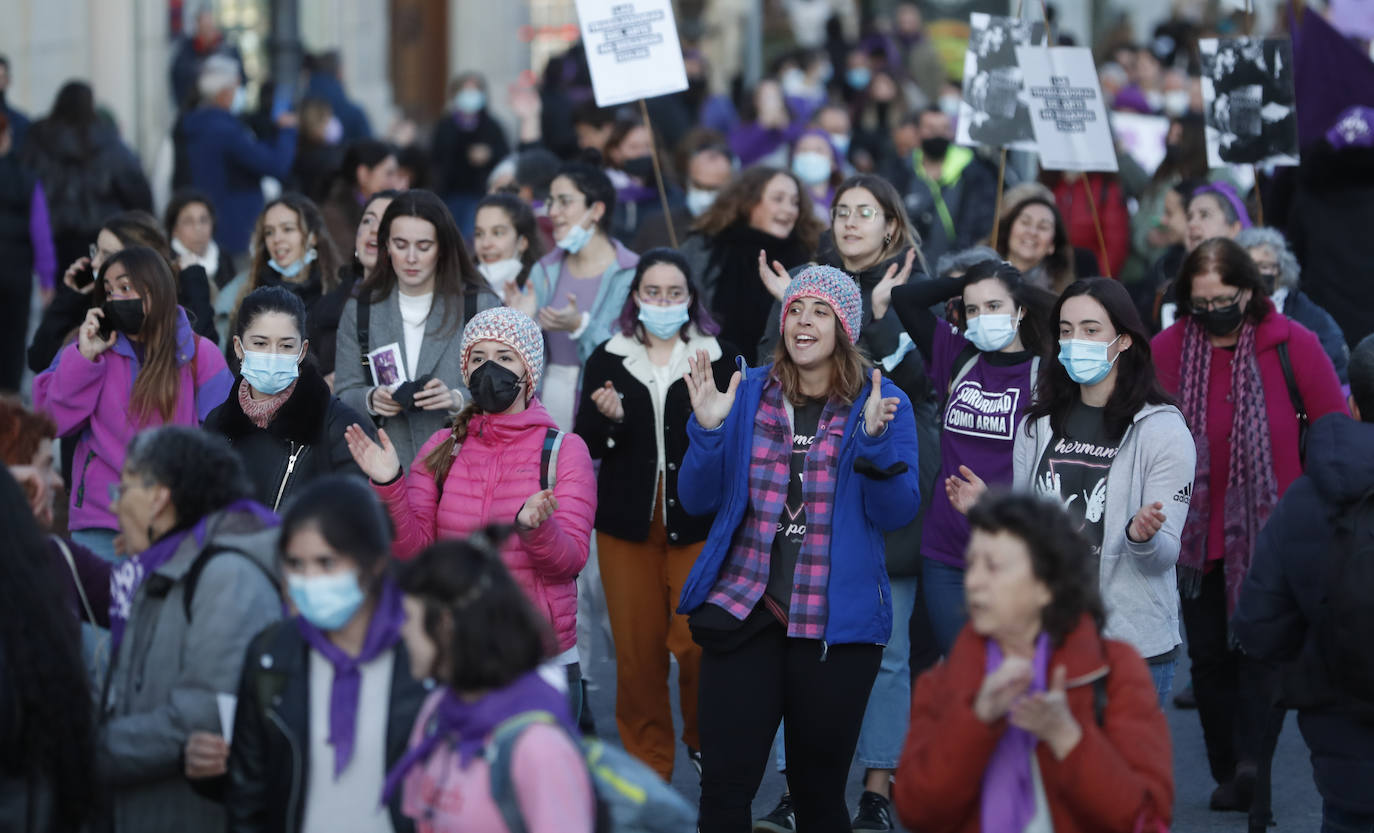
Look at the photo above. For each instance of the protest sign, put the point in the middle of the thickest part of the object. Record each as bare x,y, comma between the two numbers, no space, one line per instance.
1066,109
994,110
632,49
1247,91
1145,138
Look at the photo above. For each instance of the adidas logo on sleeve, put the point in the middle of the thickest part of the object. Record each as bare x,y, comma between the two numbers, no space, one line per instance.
1184,495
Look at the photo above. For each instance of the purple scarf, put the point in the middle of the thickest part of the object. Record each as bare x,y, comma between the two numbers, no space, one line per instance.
1008,787
469,724
126,577
383,632
1251,488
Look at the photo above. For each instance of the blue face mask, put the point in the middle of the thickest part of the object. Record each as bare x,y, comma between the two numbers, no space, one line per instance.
295,268
858,77
470,101
991,332
1086,361
270,373
576,238
663,321
327,601
812,168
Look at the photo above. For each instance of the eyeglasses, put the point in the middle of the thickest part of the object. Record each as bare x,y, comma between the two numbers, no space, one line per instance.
676,295
865,212
1206,304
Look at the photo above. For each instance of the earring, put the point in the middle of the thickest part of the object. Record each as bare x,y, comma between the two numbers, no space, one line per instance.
887,240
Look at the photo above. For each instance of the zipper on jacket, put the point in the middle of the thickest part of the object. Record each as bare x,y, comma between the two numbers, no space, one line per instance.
286,478
825,650
291,820
85,469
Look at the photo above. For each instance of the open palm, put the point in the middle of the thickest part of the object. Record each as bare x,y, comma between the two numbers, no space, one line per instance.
710,404
378,461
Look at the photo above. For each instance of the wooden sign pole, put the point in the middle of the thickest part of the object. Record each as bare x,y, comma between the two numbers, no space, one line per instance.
658,174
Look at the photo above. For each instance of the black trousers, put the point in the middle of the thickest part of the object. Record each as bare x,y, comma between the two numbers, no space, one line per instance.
1235,694
821,694
16,293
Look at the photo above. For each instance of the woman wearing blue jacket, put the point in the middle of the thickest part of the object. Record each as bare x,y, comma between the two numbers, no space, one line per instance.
789,599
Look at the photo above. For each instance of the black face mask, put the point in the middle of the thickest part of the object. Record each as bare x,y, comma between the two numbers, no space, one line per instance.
125,316
493,387
935,147
1223,321
640,167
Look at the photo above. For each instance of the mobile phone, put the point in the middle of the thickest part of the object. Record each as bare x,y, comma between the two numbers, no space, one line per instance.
106,325
281,101
84,277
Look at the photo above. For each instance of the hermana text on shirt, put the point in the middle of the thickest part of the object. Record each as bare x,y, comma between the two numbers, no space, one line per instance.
983,414
1101,452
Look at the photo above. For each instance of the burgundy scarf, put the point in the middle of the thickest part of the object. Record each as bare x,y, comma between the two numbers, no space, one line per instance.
1251,488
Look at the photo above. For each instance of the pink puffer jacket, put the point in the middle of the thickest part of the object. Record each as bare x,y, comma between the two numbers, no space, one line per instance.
495,472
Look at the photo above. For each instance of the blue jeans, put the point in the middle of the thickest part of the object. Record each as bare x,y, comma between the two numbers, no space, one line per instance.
944,590
889,703
1338,820
1163,674
98,541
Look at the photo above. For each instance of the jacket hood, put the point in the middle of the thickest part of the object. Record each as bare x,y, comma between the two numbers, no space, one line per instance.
505,428
240,528
1340,457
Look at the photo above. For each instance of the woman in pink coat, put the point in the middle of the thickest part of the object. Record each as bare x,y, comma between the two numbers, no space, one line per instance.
502,462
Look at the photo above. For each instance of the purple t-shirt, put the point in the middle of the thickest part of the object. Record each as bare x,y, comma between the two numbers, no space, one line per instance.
980,422
562,348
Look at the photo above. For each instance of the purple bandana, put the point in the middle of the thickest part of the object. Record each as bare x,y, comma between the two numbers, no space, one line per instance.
383,632
1008,786
1227,192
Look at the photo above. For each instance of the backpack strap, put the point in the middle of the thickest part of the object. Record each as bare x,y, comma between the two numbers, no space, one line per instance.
963,363
469,306
499,752
1100,700
1295,396
198,566
548,458
364,317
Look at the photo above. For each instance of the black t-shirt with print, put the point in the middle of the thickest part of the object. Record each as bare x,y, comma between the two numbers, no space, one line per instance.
787,544
1074,469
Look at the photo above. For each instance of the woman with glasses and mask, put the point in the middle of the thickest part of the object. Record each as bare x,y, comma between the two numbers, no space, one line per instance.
1248,380
281,418
633,416
136,364
502,459
577,290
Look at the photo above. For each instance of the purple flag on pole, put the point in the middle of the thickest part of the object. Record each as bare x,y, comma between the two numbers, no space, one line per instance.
1320,54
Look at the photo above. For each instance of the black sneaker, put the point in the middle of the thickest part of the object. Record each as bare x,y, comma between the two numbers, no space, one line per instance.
1186,699
694,756
783,819
875,812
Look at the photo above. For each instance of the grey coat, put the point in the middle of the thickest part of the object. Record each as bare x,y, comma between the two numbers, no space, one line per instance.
1155,461
163,682
440,357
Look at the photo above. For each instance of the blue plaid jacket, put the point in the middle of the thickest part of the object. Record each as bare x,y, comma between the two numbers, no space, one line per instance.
715,478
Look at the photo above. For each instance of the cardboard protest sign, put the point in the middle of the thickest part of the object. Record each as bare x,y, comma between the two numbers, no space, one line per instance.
1067,113
1247,90
1145,138
995,109
632,49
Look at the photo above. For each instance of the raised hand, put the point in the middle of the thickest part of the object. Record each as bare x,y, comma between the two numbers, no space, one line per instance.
710,405
1001,688
896,276
608,402
379,462
879,410
69,277
1046,715
964,489
775,278
521,299
1149,520
538,508
567,319
88,339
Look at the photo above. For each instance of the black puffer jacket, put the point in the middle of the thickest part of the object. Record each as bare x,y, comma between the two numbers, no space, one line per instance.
304,441
269,763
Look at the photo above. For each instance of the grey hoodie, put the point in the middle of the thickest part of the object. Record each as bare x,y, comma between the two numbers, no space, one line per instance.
1155,461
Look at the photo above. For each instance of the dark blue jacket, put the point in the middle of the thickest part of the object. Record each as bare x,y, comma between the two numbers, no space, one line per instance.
1306,312
228,163
1282,599
715,478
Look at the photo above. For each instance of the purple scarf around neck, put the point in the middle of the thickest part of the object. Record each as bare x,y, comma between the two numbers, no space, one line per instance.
468,724
1008,797
1250,484
128,575
383,632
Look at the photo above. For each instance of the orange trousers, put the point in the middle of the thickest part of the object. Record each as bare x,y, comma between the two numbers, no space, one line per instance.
643,582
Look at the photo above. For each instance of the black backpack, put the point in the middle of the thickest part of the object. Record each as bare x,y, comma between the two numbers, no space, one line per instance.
1344,630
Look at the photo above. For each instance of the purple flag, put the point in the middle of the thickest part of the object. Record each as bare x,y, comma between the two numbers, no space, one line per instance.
1320,53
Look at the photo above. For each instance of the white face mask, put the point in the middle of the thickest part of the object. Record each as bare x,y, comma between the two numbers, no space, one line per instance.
500,273
1177,102
699,200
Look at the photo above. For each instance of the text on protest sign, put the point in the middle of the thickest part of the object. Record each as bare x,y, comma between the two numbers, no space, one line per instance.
1066,110
633,50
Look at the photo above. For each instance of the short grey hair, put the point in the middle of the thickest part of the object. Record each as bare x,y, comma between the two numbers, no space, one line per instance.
217,74
964,260
200,469
1272,239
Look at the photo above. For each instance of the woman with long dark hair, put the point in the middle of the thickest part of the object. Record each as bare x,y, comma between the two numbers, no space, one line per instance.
368,166
417,301
1248,380
136,364
1037,720
985,376
47,736
506,241
801,460
633,415
1106,440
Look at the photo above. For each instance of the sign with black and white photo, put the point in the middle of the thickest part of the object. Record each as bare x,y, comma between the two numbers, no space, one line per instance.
633,50
1247,90
995,111
1067,113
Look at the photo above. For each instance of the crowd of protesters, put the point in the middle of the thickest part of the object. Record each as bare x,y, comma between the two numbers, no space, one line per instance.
901,461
